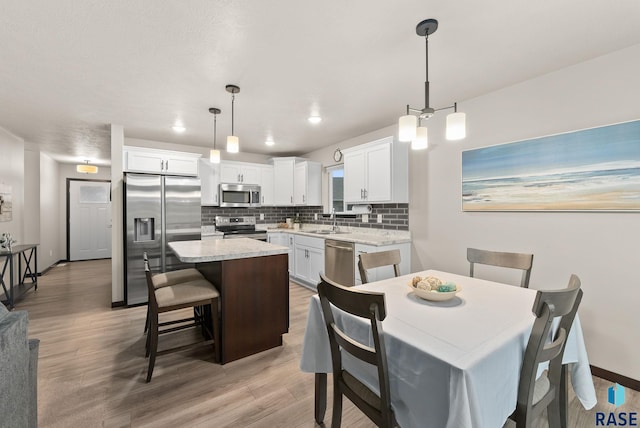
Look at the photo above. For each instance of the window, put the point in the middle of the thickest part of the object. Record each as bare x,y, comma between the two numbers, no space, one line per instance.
336,188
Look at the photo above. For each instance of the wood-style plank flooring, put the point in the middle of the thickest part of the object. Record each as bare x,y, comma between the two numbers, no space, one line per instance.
92,368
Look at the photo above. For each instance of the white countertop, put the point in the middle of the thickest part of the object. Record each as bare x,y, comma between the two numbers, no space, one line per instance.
224,249
376,237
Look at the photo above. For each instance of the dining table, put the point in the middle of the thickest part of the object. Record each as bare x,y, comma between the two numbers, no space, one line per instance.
453,363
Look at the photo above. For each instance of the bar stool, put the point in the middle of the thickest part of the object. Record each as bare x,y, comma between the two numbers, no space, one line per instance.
171,278
189,294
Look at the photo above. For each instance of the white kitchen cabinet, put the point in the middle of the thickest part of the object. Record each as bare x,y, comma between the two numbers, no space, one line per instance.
286,240
383,272
309,259
283,172
266,185
307,184
297,181
209,183
239,172
154,161
377,172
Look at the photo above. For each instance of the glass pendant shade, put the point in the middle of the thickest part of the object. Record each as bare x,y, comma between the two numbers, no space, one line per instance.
233,146
407,128
214,156
87,169
421,141
456,126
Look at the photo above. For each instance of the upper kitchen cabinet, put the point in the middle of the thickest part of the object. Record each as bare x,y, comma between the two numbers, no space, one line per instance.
239,172
209,183
266,185
377,172
283,170
155,161
296,181
307,184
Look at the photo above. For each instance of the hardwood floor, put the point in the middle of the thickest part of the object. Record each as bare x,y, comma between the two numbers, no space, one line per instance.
92,368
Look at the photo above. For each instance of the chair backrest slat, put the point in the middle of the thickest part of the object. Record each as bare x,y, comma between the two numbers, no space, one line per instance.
368,261
369,305
520,261
548,306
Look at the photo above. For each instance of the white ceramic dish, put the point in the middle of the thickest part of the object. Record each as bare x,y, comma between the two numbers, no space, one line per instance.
435,295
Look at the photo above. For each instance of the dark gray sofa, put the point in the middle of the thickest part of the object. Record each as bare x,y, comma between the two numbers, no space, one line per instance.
18,371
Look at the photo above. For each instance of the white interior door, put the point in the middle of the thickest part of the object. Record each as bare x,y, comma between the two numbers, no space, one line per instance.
89,220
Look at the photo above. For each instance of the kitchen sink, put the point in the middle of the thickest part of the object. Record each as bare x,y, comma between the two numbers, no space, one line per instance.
327,232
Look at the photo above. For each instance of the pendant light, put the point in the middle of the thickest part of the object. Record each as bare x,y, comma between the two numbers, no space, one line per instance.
409,126
86,168
214,154
233,145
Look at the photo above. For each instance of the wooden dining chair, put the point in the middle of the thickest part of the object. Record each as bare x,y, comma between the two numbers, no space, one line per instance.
501,259
362,304
190,294
549,390
368,261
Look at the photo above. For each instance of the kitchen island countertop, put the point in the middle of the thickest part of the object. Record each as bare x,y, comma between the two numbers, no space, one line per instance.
224,249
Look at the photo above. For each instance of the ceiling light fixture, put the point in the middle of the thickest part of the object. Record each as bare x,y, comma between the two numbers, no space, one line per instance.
214,154
269,142
409,126
233,145
314,119
86,168
178,128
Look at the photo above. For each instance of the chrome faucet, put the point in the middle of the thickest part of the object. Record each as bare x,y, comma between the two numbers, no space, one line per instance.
334,227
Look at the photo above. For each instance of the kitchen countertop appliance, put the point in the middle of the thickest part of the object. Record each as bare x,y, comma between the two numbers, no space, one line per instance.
158,209
339,261
239,227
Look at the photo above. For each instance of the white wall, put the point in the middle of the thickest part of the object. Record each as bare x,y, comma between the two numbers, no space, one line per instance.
50,234
12,174
117,222
601,248
32,199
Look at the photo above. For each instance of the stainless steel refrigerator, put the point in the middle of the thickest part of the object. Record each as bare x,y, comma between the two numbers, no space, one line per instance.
158,209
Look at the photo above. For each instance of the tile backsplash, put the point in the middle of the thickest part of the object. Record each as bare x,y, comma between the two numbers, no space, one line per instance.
394,216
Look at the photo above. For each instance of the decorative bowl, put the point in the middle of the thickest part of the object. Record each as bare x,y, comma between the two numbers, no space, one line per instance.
437,296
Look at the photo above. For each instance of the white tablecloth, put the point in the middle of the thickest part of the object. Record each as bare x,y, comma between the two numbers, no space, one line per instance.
452,364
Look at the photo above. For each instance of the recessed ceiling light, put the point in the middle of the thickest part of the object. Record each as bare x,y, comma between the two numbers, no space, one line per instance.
314,119
269,142
178,128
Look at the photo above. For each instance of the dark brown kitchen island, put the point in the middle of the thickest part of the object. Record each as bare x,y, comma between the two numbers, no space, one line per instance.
253,280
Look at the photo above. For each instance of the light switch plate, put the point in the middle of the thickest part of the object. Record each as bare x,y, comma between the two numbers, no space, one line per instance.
379,218
315,216
365,218
261,216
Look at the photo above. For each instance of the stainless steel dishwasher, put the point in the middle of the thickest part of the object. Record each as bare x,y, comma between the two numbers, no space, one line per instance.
339,262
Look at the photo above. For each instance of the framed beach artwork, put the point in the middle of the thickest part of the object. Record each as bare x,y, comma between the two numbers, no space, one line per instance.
595,169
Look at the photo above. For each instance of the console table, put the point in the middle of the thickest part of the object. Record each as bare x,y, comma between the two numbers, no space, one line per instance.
27,253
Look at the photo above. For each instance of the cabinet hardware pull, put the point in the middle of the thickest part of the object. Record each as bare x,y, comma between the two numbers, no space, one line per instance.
161,165
292,199
166,165
303,199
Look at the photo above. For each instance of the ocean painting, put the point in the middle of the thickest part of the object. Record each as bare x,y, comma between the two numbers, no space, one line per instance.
594,169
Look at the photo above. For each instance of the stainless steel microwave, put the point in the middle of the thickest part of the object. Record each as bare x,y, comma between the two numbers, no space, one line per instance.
239,195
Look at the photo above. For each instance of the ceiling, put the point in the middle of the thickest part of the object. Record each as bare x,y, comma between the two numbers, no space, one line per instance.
70,68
